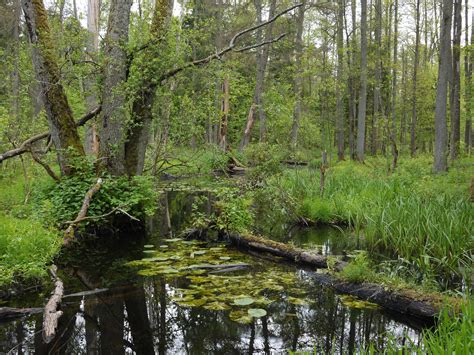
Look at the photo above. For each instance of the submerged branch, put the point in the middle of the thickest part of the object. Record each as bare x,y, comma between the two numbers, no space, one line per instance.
51,310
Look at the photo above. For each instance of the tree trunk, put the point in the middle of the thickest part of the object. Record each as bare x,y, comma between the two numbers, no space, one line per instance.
455,103
415,75
112,131
138,133
61,123
225,115
378,76
468,64
261,68
403,121
353,89
298,80
91,144
441,134
363,83
340,80
393,132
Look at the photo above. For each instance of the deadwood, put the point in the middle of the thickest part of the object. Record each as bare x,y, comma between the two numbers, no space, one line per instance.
52,313
9,313
26,145
69,233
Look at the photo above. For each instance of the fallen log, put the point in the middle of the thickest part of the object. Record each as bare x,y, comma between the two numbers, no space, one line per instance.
423,306
69,233
9,313
52,313
25,146
212,267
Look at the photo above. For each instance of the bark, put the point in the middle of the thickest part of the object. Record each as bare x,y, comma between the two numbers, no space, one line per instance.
112,129
143,102
224,114
91,144
298,80
353,89
378,76
468,87
248,128
455,97
262,65
340,80
52,313
403,121
415,81
81,215
393,132
60,120
441,134
363,83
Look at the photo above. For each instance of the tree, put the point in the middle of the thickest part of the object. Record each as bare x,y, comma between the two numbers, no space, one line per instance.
441,134
468,65
60,120
340,77
455,104
298,81
363,83
415,81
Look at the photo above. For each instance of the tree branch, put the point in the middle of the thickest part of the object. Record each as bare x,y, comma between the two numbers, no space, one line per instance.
25,146
231,46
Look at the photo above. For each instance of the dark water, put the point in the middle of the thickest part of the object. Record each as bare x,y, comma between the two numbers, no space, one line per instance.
137,314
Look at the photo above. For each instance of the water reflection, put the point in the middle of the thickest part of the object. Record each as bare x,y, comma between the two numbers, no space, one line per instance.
136,315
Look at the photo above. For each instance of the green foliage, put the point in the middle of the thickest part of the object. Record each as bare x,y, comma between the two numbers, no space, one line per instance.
359,269
233,211
26,248
60,202
423,218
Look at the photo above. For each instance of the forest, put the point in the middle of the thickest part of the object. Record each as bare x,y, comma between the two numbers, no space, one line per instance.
236,177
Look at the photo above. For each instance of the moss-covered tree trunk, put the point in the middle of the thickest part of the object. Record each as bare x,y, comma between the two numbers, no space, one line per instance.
142,103
60,120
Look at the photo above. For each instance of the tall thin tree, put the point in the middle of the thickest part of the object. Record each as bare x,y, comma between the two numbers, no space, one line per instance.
415,81
363,83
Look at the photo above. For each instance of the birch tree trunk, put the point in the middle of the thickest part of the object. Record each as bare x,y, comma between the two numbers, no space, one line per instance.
441,130
363,83
60,120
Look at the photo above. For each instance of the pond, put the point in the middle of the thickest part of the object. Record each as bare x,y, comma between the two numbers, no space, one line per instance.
157,293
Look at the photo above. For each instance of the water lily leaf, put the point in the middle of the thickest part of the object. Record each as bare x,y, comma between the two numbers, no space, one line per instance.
353,302
244,301
149,251
158,258
193,303
225,258
199,252
257,312
148,246
172,240
217,306
164,246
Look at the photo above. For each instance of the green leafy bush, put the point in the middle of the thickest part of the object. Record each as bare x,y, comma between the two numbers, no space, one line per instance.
359,269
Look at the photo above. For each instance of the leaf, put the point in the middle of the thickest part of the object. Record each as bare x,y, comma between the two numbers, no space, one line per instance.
199,252
149,246
172,240
240,317
225,258
257,312
164,246
217,306
244,301
297,301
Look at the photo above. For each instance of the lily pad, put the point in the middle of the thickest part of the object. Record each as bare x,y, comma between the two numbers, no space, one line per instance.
217,306
193,303
244,301
257,312
149,251
297,301
149,246
172,240
225,258
199,252
164,246
240,317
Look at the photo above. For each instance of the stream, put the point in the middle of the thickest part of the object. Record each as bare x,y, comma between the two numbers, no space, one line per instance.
154,293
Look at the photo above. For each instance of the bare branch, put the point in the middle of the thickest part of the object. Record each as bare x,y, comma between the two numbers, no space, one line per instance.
256,45
25,146
44,165
231,46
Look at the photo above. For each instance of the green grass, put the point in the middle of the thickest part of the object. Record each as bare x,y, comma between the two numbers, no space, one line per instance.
26,246
424,219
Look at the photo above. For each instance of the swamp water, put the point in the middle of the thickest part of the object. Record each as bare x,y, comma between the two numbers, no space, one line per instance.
165,295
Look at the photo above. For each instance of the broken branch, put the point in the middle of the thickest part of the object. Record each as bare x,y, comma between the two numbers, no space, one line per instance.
51,310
